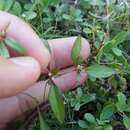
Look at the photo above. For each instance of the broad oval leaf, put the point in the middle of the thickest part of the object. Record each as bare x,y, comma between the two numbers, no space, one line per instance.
108,127
54,2
87,30
121,104
16,9
2,3
107,112
57,103
29,15
3,50
99,71
16,46
90,118
127,108
6,4
126,122
77,106
43,124
75,53
82,124
44,3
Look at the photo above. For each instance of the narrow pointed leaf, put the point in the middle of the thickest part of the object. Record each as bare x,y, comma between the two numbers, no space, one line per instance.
43,124
117,51
57,103
119,38
3,50
13,44
75,53
46,44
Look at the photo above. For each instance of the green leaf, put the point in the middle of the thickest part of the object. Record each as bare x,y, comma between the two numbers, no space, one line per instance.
13,44
102,122
97,44
3,50
119,38
2,3
127,108
66,17
107,112
121,104
29,15
108,127
90,118
44,3
109,56
54,2
108,46
45,42
99,71
82,124
101,35
78,76
117,51
126,121
57,103
77,106
87,30
121,98
16,9
6,4
79,92
88,98
75,54
43,124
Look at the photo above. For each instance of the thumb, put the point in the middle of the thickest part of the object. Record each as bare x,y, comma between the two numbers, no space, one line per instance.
17,74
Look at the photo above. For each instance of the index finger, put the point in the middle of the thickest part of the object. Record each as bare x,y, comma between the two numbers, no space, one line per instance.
24,34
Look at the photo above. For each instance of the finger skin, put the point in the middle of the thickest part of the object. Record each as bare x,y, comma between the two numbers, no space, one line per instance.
10,108
61,51
61,58
4,127
23,33
17,74
61,48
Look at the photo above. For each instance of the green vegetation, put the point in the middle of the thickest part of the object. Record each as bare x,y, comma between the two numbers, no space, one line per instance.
103,102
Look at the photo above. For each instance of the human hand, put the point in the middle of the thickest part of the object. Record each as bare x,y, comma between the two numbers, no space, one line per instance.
19,74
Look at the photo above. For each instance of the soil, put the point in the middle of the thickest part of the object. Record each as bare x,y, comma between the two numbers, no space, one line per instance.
87,108
119,127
